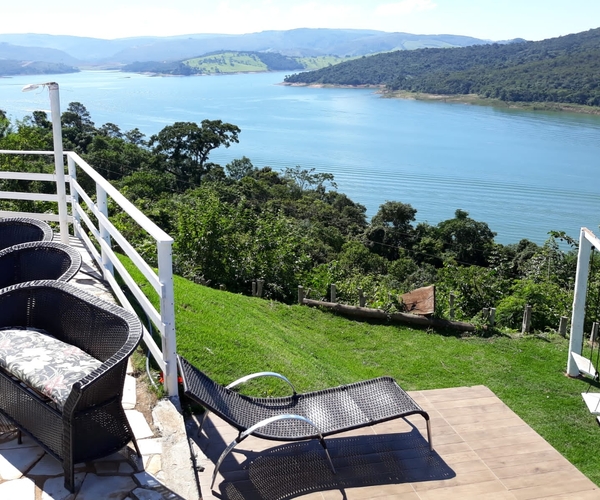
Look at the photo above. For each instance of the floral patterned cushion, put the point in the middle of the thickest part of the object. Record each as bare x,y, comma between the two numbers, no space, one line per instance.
44,362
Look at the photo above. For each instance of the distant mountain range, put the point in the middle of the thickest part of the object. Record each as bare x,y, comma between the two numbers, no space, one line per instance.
78,52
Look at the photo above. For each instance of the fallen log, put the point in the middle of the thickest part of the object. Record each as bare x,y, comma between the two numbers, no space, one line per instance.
370,313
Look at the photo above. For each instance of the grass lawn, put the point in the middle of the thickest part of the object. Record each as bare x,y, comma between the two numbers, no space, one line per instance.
228,336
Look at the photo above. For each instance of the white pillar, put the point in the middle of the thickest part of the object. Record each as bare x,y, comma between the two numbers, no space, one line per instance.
578,314
59,163
167,314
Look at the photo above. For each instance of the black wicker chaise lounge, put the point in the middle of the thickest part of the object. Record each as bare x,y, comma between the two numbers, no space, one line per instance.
313,415
63,361
38,260
15,230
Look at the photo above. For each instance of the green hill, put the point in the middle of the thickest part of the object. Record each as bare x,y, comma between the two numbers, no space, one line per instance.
564,70
234,62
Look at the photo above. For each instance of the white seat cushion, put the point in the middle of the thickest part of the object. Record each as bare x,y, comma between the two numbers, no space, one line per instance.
43,362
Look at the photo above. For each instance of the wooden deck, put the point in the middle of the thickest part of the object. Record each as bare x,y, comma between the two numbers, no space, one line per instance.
482,451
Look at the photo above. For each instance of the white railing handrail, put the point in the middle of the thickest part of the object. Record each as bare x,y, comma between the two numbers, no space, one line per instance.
19,152
157,233
587,241
162,283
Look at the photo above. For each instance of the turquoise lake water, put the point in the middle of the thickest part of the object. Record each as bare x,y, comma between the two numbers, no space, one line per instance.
524,173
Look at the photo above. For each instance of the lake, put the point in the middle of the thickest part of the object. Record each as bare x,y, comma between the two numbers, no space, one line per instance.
523,172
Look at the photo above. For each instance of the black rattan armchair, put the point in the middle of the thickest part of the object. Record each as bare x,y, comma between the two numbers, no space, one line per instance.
92,423
21,230
313,415
38,260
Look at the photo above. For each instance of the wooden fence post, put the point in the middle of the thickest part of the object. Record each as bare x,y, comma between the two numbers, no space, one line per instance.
259,287
300,294
594,334
333,293
492,317
254,289
485,313
361,298
526,319
562,326
452,298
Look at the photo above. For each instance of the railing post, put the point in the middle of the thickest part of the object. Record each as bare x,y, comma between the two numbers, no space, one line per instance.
104,234
167,314
74,195
59,162
579,297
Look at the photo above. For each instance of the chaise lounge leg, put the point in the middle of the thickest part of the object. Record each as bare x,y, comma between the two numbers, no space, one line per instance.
262,423
429,438
19,436
322,441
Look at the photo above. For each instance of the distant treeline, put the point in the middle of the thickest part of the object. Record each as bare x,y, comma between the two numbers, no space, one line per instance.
10,67
564,69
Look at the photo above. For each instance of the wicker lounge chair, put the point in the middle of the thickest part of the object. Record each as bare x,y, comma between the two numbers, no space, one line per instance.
83,419
21,230
313,415
38,260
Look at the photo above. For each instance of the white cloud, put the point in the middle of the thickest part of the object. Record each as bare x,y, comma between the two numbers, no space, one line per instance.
405,7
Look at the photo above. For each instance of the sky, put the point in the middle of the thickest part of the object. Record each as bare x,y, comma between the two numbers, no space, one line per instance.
487,19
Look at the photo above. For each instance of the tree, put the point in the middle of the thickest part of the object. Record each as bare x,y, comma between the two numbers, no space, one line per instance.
185,147
391,228
466,240
308,179
78,127
4,123
240,168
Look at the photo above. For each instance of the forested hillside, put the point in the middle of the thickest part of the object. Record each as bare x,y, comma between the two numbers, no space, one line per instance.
564,69
10,67
237,223
233,62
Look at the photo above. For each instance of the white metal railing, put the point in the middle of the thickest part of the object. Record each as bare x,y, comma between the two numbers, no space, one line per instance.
587,240
102,236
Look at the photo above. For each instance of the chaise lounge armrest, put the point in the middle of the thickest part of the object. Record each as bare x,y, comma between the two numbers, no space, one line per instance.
247,378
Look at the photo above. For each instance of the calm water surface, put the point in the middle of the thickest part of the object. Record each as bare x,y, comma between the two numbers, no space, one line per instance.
524,173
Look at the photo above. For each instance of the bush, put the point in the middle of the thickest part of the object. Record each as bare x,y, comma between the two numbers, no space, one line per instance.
548,301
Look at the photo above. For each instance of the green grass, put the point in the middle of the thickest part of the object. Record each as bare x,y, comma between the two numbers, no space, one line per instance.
227,62
228,336
318,62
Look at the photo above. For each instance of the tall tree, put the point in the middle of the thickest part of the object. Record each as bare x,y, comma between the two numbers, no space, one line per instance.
185,147
391,228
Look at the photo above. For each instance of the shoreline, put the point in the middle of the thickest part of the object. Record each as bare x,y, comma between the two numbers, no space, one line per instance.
474,99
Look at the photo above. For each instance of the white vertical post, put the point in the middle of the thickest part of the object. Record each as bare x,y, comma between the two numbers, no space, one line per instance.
578,314
102,204
59,162
167,314
74,195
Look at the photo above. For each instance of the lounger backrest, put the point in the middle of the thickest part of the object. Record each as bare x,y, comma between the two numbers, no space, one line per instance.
225,403
40,260
21,230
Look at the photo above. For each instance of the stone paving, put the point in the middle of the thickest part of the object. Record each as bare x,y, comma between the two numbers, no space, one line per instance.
165,470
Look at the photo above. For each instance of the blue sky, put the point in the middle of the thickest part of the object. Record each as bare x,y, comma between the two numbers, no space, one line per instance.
489,19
